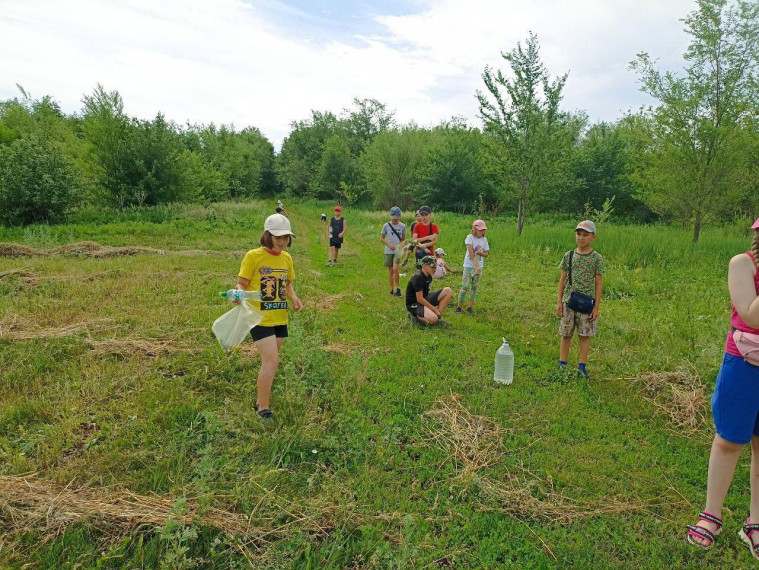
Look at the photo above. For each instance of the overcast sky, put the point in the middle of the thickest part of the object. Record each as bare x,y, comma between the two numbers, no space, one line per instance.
266,64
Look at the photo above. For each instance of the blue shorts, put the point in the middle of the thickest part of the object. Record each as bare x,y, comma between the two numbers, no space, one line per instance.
735,402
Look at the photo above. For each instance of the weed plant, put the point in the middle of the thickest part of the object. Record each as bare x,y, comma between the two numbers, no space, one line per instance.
112,380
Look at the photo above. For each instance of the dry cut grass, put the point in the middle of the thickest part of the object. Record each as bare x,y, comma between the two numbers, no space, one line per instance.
680,395
475,443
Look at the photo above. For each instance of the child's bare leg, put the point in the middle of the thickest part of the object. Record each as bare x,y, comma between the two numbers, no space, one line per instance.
754,511
444,298
332,254
722,461
429,317
391,278
584,348
396,276
268,348
566,342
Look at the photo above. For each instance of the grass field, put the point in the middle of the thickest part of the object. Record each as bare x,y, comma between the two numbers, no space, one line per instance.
128,439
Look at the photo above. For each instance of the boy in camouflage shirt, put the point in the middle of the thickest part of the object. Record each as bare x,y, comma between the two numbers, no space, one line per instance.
587,278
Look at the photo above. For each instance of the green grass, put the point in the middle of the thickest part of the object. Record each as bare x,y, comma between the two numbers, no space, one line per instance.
354,473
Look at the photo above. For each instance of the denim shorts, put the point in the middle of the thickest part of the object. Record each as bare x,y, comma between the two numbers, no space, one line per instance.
735,402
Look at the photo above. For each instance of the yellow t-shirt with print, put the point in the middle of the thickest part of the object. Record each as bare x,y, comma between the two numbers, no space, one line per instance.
270,274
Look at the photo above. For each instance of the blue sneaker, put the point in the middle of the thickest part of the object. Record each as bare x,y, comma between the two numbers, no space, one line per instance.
458,310
470,310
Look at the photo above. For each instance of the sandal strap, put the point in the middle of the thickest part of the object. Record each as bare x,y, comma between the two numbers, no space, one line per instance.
749,528
707,516
701,532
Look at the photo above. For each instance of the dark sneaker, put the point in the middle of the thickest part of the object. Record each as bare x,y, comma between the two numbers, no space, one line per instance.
397,292
470,310
444,324
266,416
413,318
458,311
583,374
392,292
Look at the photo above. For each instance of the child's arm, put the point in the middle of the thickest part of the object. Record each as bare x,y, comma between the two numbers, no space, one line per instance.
599,289
559,304
345,227
448,269
297,303
470,251
383,240
483,253
242,284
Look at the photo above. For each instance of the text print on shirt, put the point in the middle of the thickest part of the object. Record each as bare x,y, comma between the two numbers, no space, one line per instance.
273,288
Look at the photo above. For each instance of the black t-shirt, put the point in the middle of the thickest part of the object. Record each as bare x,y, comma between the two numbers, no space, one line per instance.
418,282
337,226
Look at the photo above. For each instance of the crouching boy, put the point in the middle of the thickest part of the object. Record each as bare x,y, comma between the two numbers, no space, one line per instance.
421,304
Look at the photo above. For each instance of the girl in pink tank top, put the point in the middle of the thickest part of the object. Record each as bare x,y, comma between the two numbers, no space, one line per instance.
735,407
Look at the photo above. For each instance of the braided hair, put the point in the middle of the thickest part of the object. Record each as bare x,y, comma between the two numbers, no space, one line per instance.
755,248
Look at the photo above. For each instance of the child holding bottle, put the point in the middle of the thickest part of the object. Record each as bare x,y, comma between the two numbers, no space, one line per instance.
269,269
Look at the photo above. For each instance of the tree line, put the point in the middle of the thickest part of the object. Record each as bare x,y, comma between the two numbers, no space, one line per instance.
693,157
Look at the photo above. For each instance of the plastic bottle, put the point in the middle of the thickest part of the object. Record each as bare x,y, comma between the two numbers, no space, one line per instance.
239,295
504,364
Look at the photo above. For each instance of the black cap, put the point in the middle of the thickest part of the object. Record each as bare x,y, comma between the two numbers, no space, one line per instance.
425,210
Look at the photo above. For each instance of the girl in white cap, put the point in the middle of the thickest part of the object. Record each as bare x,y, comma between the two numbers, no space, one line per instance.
477,249
735,404
269,269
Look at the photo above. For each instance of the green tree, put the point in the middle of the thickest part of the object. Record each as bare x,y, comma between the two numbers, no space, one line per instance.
38,182
454,174
368,118
391,165
106,129
522,113
299,161
699,124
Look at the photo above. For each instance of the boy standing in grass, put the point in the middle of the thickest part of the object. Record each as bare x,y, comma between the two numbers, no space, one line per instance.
336,231
425,233
583,268
393,235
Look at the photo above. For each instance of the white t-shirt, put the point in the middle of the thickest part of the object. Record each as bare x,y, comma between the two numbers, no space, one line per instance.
478,244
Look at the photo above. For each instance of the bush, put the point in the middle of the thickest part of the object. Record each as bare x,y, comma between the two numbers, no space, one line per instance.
38,182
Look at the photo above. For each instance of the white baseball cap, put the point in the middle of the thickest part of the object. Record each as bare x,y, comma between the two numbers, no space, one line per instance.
440,251
586,225
278,225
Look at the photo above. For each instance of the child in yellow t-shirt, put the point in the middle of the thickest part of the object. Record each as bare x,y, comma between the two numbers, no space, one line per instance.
269,269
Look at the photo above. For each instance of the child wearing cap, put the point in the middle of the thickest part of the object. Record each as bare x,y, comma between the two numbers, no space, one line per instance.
269,269
420,303
583,268
393,235
336,231
477,249
425,234
442,267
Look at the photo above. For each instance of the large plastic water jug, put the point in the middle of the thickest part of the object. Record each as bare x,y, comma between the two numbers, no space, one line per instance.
504,364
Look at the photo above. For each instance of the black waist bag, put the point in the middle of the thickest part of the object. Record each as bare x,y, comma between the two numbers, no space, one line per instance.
579,301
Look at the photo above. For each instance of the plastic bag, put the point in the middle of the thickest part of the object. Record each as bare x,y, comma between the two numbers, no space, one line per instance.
233,326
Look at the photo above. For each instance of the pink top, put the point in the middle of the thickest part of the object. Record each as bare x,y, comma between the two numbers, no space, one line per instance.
736,321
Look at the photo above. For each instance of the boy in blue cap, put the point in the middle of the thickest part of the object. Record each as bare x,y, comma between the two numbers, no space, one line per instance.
393,235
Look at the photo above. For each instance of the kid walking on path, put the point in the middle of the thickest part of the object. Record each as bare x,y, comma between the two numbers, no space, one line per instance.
269,269
336,231
585,268
477,249
735,405
393,235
